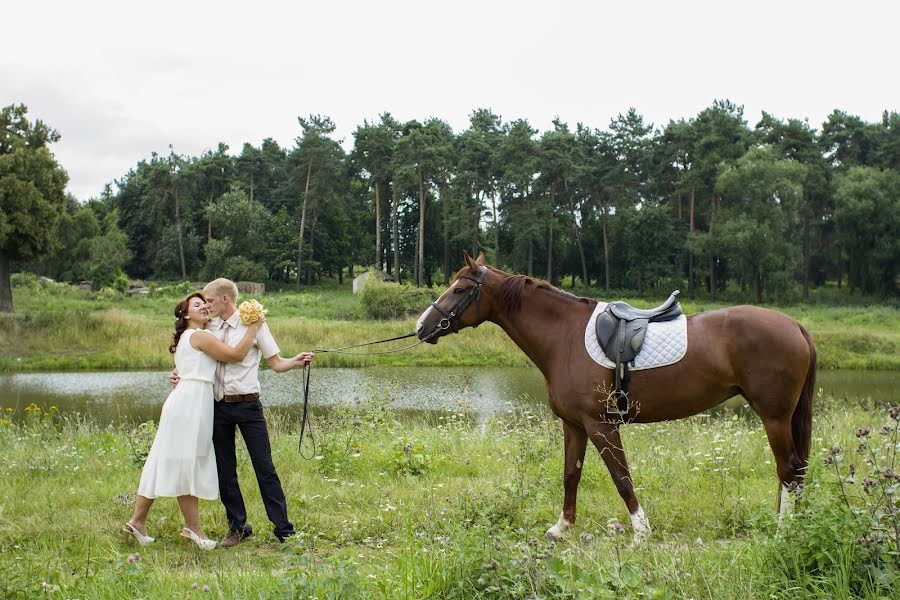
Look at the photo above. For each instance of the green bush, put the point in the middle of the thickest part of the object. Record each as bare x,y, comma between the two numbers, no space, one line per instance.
846,530
106,274
240,268
382,300
26,281
409,457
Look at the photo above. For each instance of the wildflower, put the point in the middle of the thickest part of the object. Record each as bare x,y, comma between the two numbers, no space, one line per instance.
894,412
195,585
586,537
868,483
205,588
863,432
615,528
835,450
886,430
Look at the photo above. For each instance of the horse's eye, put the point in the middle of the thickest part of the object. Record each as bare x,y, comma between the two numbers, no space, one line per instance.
458,290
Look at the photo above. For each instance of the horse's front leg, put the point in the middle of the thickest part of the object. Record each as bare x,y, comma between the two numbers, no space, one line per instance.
575,440
606,438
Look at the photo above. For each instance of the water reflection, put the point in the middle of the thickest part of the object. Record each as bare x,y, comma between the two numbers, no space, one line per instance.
135,396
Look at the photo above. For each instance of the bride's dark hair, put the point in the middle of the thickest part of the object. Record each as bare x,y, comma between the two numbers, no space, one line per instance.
181,313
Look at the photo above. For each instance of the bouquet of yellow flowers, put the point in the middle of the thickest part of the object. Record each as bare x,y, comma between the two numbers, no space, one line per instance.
250,311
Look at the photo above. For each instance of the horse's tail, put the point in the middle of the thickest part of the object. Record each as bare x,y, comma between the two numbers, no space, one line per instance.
801,420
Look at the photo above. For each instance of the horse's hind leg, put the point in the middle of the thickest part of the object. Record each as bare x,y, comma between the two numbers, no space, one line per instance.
575,440
606,438
787,463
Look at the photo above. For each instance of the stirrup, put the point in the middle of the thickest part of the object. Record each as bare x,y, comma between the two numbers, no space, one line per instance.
621,404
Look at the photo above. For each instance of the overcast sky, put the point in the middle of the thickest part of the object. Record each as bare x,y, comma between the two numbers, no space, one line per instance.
120,80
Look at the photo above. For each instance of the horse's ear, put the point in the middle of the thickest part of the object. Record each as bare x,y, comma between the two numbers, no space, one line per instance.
470,262
480,260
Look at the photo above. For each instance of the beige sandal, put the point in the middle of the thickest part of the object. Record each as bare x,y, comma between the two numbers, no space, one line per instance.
142,539
205,544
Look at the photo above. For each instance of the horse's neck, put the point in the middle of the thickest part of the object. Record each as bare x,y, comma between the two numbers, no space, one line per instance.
544,325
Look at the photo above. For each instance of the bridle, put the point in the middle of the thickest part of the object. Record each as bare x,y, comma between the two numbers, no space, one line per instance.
474,295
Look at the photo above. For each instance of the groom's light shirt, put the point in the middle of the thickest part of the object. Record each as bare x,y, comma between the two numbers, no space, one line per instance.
243,377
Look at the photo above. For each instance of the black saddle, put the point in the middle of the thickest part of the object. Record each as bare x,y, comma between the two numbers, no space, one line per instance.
620,330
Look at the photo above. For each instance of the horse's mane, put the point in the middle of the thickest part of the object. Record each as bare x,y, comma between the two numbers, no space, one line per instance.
514,286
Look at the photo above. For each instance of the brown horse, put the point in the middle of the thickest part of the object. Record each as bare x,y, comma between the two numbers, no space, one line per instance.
763,355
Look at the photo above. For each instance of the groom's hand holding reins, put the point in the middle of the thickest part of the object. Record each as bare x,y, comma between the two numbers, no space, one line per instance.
302,359
280,365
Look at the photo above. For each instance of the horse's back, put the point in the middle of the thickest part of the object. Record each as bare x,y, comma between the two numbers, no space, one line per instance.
730,351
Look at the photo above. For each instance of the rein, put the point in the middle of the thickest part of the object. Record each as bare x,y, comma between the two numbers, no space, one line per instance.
399,337
307,369
449,318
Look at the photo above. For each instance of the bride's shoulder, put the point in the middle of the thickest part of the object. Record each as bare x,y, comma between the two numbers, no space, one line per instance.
190,332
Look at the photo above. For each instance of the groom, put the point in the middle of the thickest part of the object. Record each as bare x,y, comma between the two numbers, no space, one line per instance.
236,391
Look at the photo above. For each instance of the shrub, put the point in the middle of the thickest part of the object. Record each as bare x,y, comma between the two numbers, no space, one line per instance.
382,300
26,281
240,268
848,529
409,457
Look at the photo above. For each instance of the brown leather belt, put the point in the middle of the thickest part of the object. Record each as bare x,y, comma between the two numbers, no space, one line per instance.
240,397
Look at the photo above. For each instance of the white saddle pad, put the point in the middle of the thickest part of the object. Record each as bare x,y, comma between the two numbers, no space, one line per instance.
664,344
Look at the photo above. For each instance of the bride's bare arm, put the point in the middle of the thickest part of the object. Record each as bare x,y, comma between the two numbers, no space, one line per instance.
221,351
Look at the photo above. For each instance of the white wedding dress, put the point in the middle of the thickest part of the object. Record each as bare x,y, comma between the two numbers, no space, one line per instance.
181,460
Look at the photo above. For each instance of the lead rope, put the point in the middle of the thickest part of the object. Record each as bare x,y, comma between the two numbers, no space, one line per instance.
307,370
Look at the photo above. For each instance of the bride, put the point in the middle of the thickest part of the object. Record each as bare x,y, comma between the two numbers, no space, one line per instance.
181,462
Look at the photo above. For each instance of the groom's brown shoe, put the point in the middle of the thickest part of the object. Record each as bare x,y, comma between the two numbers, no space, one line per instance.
234,538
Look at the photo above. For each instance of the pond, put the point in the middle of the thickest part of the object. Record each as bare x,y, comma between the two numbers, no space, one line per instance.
136,396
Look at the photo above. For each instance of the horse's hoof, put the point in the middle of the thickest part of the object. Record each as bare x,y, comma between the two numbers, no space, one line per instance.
555,533
639,541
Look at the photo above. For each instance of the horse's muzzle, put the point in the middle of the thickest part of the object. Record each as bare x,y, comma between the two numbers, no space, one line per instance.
429,339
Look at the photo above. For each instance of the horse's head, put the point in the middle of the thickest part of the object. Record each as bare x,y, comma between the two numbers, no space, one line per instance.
461,305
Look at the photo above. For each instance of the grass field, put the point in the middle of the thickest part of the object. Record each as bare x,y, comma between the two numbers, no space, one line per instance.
58,327
449,509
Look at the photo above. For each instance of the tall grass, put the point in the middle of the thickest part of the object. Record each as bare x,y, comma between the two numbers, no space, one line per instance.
442,509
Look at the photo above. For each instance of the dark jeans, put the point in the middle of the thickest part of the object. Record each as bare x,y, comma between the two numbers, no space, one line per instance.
248,416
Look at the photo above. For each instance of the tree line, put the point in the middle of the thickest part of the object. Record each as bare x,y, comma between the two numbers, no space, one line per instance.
707,203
